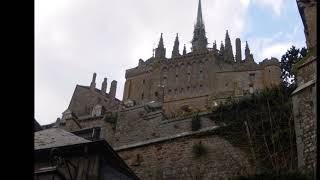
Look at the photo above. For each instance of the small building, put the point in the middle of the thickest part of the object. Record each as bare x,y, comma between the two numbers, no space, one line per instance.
62,155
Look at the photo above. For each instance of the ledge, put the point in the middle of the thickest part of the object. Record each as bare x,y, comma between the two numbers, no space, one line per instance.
162,139
303,86
308,61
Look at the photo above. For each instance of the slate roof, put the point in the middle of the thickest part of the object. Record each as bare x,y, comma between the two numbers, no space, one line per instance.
98,91
55,137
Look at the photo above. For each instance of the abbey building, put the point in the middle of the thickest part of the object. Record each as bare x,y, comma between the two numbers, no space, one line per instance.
150,129
201,78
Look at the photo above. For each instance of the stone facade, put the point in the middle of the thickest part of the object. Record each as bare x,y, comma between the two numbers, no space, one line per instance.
195,79
174,159
304,97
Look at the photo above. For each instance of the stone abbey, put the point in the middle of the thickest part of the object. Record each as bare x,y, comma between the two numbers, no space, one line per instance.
201,78
142,128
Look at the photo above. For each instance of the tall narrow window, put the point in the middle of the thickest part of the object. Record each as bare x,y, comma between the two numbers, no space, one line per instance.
251,88
142,96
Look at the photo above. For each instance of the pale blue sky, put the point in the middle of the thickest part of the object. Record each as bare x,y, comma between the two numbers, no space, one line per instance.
74,38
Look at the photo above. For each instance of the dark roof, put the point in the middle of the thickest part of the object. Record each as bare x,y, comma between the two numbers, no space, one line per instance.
36,126
55,137
99,91
72,146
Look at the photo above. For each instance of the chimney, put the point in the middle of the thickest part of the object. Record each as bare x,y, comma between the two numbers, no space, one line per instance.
93,82
104,86
113,89
238,50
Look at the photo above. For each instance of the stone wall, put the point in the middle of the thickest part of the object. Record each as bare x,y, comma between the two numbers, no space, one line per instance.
304,97
136,124
304,110
84,99
174,159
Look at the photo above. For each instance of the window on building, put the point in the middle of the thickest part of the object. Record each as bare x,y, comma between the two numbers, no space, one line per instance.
156,94
142,96
251,88
143,81
251,76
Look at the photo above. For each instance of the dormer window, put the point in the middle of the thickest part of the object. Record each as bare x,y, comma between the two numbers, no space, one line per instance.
97,110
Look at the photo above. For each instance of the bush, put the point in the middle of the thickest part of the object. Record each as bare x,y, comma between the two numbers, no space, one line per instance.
199,149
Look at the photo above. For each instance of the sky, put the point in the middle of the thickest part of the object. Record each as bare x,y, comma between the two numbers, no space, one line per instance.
75,38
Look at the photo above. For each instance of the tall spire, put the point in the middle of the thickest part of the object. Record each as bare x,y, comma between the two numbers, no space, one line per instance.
228,56
160,50
175,51
199,15
184,50
199,40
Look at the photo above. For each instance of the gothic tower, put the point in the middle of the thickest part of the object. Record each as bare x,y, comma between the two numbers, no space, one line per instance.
199,41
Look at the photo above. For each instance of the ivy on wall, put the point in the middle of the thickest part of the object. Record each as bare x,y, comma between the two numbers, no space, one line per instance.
262,125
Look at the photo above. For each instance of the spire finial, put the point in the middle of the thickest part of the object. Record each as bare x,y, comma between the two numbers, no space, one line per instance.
184,49
160,45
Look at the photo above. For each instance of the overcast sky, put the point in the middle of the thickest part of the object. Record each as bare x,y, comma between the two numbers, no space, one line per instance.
74,38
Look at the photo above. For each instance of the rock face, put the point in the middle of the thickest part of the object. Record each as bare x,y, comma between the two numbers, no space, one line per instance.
304,97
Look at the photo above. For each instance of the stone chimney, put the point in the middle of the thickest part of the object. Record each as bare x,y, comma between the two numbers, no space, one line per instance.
113,89
238,50
93,82
104,86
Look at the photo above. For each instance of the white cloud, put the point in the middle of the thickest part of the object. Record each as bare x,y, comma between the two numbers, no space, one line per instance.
276,5
274,46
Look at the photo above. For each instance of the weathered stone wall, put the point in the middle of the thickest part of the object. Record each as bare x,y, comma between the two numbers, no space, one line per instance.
174,159
135,124
84,99
304,97
308,12
304,110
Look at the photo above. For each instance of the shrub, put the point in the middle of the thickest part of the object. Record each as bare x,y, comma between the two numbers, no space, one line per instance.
199,150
